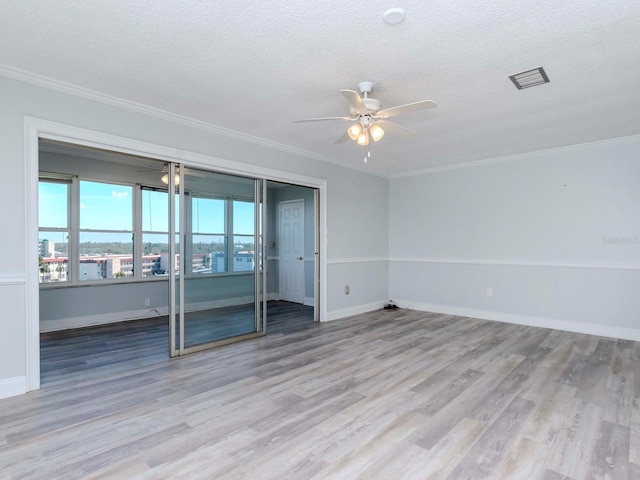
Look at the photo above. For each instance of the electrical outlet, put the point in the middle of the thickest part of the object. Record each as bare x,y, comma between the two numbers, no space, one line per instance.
147,302
489,291
346,289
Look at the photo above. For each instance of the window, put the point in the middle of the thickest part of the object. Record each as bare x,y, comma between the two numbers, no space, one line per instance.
208,239
105,244
97,231
243,235
155,231
53,240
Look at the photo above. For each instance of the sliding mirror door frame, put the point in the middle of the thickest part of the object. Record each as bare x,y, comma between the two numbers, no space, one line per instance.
179,272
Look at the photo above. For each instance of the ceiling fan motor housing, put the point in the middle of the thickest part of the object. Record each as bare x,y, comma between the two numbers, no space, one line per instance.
365,87
372,104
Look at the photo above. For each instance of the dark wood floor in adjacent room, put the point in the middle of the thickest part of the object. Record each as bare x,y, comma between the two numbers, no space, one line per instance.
71,355
389,394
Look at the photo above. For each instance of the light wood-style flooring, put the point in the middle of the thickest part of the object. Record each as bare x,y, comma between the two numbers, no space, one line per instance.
390,395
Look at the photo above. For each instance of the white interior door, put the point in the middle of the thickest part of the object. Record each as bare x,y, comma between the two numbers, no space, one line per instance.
291,251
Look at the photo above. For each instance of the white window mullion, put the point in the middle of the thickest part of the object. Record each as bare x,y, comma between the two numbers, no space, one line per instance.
228,227
138,247
187,235
74,231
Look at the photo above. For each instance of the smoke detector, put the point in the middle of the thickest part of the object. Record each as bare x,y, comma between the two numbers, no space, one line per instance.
394,16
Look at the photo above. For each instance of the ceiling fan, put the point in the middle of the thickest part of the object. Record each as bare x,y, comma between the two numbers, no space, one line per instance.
369,121
164,172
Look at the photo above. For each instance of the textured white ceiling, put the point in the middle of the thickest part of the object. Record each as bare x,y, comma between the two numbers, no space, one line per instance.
255,66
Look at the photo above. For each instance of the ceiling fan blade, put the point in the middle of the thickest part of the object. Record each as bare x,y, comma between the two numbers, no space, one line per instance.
162,168
322,119
395,129
408,108
342,138
355,101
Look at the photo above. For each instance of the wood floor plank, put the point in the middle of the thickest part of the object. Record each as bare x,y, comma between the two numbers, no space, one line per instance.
484,458
610,457
354,463
571,454
445,455
525,459
463,406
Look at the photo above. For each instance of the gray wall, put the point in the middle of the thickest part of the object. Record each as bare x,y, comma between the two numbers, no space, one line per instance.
346,191
554,234
80,306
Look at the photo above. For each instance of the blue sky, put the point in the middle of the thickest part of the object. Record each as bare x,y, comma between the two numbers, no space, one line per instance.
110,207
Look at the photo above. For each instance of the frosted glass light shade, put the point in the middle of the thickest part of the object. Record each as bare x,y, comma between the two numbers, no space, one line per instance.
363,138
354,130
165,179
376,132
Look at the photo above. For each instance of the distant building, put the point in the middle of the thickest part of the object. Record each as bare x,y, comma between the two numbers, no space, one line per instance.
243,261
97,268
218,262
151,265
54,270
46,248
101,267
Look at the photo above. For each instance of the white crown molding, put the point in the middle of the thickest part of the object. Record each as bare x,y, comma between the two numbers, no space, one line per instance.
516,263
88,94
511,158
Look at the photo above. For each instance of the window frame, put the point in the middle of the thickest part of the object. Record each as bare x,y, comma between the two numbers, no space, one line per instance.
54,178
190,233
135,206
74,231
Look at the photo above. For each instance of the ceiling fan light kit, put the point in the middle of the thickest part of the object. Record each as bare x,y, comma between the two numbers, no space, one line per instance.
165,179
370,120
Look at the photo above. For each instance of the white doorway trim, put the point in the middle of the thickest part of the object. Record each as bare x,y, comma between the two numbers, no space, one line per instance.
35,129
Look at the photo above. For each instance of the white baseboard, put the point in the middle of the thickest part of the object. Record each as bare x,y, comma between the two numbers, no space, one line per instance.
308,301
115,317
529,320
357,310
100,319
10,387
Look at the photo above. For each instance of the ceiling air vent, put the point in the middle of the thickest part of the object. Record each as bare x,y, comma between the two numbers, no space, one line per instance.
530,78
